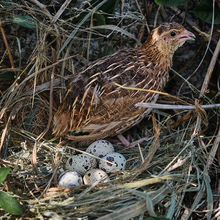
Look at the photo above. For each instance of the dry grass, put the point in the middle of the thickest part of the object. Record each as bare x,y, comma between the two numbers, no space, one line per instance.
177,178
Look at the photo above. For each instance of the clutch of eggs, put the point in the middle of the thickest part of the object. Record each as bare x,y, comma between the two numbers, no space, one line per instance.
84,164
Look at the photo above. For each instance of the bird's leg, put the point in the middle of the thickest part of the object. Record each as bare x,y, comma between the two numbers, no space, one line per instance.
123,140
127,143
132,144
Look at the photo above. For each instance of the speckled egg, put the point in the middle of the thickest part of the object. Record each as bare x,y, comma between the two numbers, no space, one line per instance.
116,158
95,176
100,148
70,179
81,163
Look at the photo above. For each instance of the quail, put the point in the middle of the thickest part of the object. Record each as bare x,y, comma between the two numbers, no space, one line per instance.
97,103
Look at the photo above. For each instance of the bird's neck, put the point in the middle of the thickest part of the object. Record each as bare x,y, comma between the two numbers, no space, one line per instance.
157,54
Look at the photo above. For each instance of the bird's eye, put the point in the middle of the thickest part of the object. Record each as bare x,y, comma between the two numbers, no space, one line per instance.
172,34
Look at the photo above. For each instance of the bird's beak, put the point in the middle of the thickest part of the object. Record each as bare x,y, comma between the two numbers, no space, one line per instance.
186,35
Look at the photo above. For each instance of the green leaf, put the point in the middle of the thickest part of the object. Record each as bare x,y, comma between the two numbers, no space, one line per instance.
204,12
25,21
10,204
99,18
3,173
171,2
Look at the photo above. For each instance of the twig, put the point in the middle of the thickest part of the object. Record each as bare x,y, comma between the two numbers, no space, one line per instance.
42,7
139,7
210,70
90,36
207,48
163,13
206,81
214,149
156,16
4,133
7,47
60,11
164,106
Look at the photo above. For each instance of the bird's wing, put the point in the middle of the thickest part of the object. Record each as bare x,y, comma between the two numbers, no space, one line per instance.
94,102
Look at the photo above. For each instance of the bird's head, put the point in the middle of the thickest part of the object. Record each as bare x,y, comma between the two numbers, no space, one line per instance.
169,36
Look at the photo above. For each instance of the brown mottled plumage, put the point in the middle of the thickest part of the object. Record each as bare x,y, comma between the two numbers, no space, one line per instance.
95,107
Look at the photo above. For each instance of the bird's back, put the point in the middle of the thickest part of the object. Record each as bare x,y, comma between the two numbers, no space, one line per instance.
96,105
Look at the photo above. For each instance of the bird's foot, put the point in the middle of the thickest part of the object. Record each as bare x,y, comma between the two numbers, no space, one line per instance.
125,141
132,144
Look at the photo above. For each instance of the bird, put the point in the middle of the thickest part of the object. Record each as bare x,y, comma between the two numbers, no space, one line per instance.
99,101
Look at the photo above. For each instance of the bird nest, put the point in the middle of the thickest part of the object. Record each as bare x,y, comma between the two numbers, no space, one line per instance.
169,173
